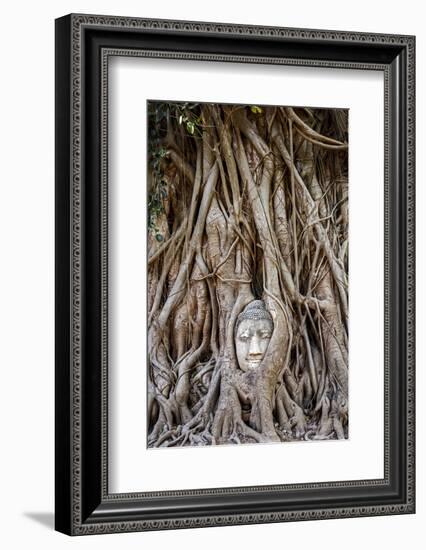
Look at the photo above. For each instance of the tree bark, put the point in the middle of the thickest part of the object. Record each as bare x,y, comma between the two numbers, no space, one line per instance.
246,203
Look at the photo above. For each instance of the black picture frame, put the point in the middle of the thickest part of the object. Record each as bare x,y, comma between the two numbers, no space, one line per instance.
83,504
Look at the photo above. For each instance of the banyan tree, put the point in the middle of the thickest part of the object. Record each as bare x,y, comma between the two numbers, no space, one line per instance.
247,274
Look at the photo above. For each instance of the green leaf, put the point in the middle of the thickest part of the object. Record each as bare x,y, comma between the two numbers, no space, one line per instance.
255,109
190,126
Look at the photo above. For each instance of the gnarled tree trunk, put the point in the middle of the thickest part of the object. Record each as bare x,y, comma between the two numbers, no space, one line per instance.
247,203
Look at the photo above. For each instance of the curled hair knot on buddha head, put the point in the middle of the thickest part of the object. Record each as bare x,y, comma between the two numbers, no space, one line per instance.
254,311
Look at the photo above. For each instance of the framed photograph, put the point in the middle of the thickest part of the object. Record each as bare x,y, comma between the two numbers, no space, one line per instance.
234,274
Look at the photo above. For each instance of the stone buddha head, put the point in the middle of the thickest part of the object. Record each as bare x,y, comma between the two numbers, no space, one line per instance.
253,331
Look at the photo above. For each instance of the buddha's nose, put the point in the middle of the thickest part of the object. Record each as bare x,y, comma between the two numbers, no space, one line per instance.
254,350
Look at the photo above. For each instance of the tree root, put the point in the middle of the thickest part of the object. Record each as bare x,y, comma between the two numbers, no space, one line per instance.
247,203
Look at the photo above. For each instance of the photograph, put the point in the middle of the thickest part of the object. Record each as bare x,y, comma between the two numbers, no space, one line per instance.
247,273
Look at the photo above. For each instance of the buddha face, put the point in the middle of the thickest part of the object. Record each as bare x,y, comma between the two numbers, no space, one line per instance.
251,341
